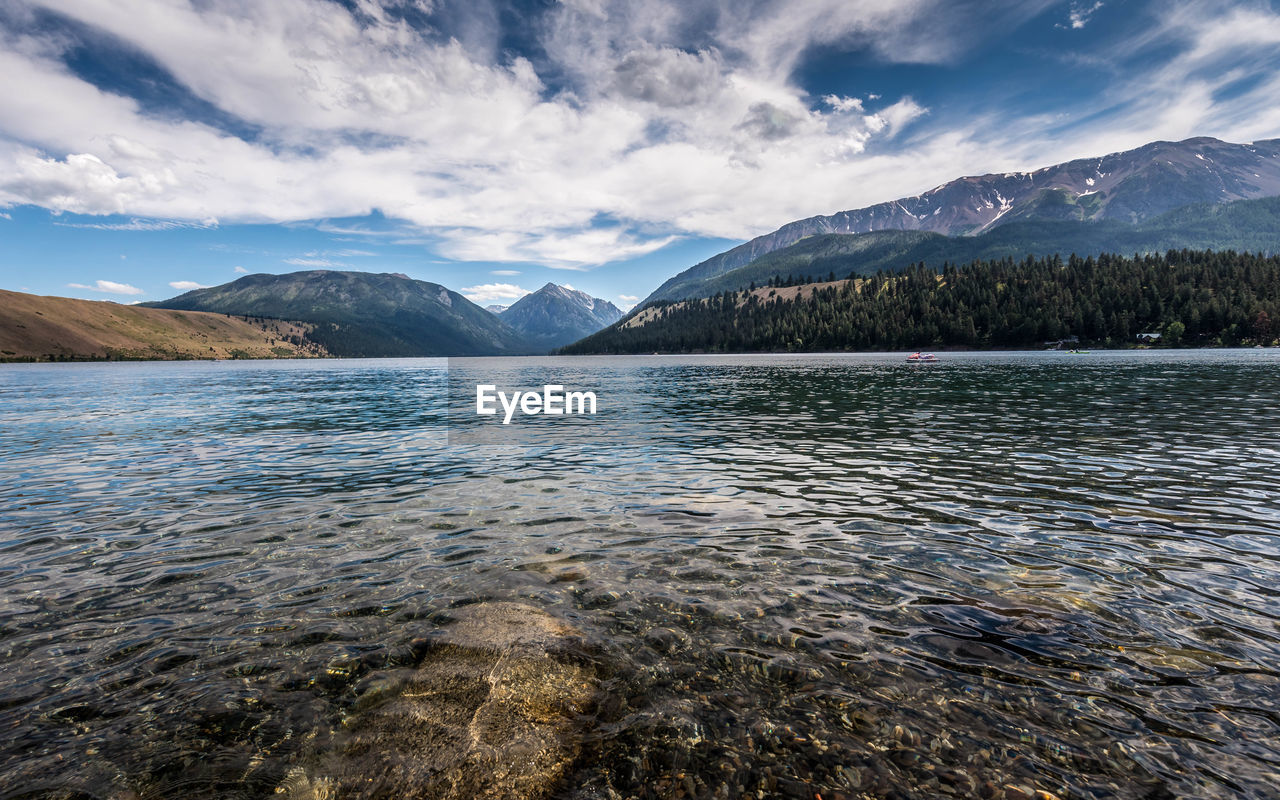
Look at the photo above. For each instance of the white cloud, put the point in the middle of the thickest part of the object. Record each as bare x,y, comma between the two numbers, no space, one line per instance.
187,286
668,119
240,270
843,103
506,273
141,225
365,114
1202,91
316,263
82,183
899,115
552,248
5,215
668,77
491,292
628,298
108,287
1081,14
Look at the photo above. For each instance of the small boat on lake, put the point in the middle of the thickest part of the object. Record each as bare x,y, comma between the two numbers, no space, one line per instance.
922,357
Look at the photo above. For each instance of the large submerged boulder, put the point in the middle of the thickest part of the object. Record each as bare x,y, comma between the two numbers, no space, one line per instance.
494,711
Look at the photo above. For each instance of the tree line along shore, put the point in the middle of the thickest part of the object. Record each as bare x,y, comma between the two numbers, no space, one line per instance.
1180,298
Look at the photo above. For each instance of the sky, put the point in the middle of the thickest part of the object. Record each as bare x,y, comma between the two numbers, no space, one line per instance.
148,147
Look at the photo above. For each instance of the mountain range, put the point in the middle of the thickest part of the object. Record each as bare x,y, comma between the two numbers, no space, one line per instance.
1127,188
1197,194
363,314
1244,225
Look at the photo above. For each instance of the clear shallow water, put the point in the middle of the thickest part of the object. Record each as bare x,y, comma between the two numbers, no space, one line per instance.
846,575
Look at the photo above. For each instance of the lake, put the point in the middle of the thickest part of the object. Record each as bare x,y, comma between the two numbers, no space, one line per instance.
794,576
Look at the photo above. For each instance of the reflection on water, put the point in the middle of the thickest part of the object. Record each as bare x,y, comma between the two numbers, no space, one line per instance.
1030,575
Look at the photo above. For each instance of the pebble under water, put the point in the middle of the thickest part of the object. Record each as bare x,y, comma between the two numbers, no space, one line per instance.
1035,575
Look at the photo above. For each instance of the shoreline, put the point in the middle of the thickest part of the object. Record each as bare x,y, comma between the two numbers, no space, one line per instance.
1086,350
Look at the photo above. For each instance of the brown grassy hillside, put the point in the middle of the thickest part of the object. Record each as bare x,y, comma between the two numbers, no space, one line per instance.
60,328
763,293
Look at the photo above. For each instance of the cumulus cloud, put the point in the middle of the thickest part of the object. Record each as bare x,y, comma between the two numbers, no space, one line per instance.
767,121
240,270
82,182
108,287
668,76
506,273
187,286
843,103
491,292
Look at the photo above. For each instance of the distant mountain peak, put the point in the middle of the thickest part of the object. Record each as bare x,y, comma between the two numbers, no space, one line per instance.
557,315
565,291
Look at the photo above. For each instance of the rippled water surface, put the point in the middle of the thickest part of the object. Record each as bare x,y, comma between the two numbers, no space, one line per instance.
992,576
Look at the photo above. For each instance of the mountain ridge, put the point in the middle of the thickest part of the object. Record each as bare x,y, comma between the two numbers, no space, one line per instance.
1244,225
362,314
1128,186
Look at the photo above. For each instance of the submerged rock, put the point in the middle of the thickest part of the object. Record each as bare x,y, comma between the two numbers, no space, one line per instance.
494,711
